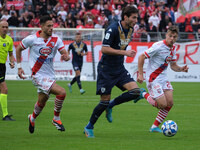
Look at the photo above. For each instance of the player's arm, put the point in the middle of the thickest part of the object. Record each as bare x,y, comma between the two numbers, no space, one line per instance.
12,59
85,51
64,55
111,51
177,68
19,49
141,59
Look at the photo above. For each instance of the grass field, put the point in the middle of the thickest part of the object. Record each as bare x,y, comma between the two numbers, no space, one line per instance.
129,129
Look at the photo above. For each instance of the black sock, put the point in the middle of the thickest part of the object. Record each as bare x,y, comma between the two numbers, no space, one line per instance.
125,97
78,82
98,110
73,80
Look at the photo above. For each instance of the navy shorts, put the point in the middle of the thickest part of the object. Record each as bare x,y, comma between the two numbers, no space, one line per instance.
2,72
77,66
107,79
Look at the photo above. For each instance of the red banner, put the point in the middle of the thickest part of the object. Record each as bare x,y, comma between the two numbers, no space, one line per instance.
18,4
187,9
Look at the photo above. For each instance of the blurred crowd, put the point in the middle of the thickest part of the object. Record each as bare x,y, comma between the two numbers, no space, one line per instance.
154,15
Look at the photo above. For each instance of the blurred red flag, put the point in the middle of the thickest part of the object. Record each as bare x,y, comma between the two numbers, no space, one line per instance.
187,9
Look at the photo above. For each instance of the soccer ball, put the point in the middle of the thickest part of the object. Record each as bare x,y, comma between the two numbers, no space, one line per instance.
169,128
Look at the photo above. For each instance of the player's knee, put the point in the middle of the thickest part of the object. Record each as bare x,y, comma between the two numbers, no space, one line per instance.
4,90
162,105
62,91
135,93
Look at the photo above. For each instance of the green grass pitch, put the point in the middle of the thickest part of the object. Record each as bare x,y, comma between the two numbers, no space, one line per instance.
129,130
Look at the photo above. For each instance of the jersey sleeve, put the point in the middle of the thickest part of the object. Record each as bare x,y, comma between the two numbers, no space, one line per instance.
11,45
151,51
60,45
70,46
85,48
110,35
27,42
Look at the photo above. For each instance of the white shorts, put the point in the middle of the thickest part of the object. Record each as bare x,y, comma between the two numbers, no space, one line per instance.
156,89
43,84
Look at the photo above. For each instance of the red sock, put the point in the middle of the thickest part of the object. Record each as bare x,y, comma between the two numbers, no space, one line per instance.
37,110
150,100
58,104
162,114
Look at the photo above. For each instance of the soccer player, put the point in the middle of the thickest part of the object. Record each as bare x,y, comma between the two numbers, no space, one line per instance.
111,70
6,47
79,49
160,55
43,47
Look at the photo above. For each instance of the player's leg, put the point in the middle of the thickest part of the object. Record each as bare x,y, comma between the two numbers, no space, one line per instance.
98,110
3,94
39,105
60,96
105,83
4,103
78,76
163,112
164,101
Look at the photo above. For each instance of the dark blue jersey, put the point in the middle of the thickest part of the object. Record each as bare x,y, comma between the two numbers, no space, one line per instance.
77,48
118,38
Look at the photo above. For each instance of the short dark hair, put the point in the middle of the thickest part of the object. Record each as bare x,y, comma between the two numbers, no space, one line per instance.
128,11
44,19
173,29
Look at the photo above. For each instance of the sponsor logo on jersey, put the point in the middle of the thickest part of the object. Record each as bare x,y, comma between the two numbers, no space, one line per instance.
45,51
168,59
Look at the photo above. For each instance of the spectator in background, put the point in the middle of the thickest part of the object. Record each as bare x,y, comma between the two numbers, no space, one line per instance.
79,24
169,13
89,24
113,17
63,13
26,19
164,22
107,12
118,12
103,18
151,8
49,10
69,22
155,20
12,10
195,21
89,5
96,13
142,9
5,15
152,30
13,20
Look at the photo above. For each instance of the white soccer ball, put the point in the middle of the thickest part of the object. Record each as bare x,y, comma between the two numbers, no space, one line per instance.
169,128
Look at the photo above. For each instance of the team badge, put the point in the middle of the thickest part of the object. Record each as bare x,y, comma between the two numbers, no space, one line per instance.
45,51
103,90
4,44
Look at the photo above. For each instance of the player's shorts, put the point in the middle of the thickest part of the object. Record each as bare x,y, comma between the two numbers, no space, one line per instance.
2,72
156,89
106,80
43,84
77,66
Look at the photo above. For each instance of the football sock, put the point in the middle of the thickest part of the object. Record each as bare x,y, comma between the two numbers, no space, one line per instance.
162,114
3,100
150,99
58,106
37,110
78,82
125,97
90,126
98,110
73,81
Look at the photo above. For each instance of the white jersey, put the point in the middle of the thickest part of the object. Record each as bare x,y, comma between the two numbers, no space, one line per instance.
42,53
159,55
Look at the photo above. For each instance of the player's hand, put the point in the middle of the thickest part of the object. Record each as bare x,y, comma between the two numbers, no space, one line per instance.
184,68
130,53
82,54
12,65
65,57
21,73
140,79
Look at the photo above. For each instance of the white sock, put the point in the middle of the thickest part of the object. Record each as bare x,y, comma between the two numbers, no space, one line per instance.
56,117
153,126
143,94
32,119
